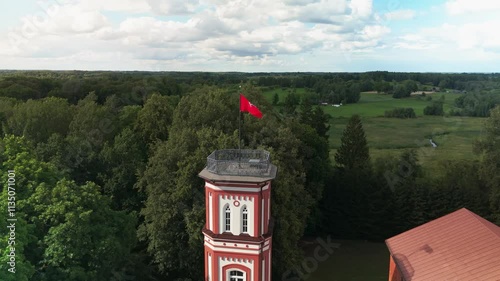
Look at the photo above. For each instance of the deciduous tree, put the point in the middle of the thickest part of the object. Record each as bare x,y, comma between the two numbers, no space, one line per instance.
489,148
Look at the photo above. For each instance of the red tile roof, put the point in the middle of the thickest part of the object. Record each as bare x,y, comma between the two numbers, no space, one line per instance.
460,246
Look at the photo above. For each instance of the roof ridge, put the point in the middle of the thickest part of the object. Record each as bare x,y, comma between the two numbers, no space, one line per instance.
427,223
486,223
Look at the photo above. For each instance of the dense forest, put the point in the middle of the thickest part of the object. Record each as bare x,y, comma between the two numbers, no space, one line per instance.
106,166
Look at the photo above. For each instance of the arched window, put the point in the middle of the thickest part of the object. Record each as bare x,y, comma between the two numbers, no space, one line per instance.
228,219
245,219
236,275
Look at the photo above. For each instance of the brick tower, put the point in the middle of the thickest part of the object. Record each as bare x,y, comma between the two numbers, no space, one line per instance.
238,228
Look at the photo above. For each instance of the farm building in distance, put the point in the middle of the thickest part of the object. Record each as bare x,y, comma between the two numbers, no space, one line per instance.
460,246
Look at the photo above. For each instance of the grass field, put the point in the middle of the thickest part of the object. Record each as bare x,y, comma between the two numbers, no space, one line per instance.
390,136
352,261
375,105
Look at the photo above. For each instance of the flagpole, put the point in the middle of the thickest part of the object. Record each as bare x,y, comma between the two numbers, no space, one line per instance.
239,132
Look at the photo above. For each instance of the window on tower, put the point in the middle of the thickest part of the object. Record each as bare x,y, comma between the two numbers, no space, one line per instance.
228,219
245,219
236,275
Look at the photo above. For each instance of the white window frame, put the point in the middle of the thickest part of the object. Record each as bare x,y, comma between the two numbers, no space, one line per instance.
244,220
237,278
227,218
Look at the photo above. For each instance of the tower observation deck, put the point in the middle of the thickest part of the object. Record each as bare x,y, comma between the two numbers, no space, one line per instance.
244,163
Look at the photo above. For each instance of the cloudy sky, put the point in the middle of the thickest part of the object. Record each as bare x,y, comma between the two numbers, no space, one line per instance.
251,35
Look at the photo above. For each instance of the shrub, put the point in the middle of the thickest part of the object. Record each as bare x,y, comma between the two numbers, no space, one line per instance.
435,109
400,112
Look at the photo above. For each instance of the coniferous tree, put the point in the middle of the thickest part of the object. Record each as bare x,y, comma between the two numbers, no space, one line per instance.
305,114
354,195
320,122
353,152
276,99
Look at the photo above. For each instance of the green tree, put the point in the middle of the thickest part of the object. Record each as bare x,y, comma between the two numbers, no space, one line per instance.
214,107
276,99
401,91
461,186
353,93
16,153
435,109
155,118
489,149
23,268
305,113
39,119
125,159
7,106
290,104
356,205
314,117
382,87
445,83
313,150
85,240
411,86
353,152
92,126
93,122
402,175
320,122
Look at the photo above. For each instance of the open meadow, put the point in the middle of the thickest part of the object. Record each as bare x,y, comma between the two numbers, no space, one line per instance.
390,136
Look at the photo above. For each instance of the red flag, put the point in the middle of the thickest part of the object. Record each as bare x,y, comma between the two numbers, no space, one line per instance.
246,106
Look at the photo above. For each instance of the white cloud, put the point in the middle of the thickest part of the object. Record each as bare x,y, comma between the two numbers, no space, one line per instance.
299,2
461,44
173,7
130,6
481,35
374,31
63,20
415,42
400,15
258,32
459,7
326,11
243,28
361,8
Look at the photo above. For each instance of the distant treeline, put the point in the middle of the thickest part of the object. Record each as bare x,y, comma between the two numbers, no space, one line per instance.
459,81
75,85
131,88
